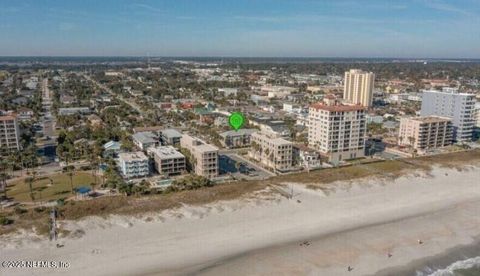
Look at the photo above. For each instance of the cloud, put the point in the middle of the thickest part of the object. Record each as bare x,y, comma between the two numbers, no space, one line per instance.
312,18
264,18
13,9
445,7
147,8
383,5
78,15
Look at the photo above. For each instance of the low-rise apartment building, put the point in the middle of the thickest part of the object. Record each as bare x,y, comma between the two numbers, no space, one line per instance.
133,164
423,133
272,126
171,136
271,151
237,138
306,157
204,156
146,139
168,160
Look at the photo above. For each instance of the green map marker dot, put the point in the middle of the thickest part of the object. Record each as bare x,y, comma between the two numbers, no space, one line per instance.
236,120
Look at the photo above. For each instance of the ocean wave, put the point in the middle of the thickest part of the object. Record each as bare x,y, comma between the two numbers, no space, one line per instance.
452,270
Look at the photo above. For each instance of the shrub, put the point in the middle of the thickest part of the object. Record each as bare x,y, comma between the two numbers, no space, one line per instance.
190,183
40,209
5,221
19,210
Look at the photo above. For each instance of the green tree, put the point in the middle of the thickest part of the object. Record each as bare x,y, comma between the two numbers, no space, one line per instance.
29,181
70,170
4,176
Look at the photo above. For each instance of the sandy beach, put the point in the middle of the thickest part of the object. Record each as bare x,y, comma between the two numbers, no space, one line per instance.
317,232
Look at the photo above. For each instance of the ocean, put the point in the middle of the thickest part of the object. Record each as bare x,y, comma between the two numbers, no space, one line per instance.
462,260
467,267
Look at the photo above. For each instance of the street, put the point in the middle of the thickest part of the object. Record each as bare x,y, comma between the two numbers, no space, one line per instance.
48,119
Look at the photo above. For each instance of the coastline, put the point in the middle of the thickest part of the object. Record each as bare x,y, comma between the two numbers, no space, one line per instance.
441,261
356,223
365,249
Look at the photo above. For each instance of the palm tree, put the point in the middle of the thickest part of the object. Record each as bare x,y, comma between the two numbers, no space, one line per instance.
12,159
3,177
70,172
411,140
94,166
29,181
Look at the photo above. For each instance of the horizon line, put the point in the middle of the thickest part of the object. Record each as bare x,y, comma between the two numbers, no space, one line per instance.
212,56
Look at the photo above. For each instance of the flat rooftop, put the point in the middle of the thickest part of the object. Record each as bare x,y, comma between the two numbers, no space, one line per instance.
241,131
449,90
166,152
197,144
171,133
274,140
431,119
144,137
132,156
205,148
337,108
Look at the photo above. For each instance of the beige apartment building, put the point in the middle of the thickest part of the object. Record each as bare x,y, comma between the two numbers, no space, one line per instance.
205,156
271,151
9,133
358,87
337,130
168,161
427,132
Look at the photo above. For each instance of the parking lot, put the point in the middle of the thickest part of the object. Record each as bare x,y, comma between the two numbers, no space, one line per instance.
240,168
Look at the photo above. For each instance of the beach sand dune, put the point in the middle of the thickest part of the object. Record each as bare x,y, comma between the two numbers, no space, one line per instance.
370,225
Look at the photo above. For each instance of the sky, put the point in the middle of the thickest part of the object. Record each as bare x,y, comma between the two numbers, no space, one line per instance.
241,28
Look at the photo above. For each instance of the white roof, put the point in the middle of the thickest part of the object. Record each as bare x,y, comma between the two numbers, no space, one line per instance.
171,133
132,156
111,144
205,148
166,152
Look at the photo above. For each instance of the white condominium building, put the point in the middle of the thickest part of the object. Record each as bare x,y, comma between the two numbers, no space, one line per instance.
168,160
133,164
337,131
451,103
476,115
9,133
205,156
358,87
423,133
272,151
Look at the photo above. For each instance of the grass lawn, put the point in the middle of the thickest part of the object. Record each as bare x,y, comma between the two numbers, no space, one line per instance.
347,173
42,189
